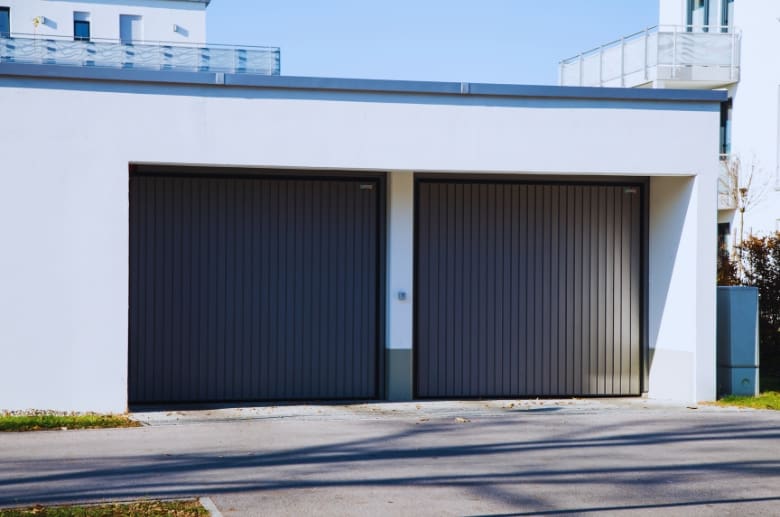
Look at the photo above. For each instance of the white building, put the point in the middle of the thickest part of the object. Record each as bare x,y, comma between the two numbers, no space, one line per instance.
710,44
129,21
200,235
145,34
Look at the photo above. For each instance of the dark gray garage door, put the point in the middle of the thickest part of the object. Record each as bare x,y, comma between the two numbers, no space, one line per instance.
527,289
252,288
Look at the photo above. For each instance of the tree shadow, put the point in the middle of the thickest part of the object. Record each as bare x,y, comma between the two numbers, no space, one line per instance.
333,465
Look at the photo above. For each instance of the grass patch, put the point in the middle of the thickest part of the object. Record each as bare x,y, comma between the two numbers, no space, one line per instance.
767,400
142,509
43,422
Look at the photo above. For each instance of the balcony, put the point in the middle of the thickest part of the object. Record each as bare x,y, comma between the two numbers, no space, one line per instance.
64,51
664,56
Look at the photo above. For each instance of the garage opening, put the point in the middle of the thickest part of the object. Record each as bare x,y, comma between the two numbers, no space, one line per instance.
254,287
528,289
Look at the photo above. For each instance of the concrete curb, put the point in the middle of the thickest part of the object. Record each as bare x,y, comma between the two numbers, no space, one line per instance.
209,505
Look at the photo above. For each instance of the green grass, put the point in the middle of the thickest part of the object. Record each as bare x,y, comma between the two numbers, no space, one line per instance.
144,509
767,400
43,422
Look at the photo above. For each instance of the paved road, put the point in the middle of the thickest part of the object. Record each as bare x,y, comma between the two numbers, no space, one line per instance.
450,458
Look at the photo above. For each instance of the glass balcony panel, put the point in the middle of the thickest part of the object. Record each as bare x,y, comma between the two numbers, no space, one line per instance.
570,73
114,54
634,55
590,70
611,64
181,58
262,63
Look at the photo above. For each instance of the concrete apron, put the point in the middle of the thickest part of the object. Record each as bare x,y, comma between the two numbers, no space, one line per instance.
434,410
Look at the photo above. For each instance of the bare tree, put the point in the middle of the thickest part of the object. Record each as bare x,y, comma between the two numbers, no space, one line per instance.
742,187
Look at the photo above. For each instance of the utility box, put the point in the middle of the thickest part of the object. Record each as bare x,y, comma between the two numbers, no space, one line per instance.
737,341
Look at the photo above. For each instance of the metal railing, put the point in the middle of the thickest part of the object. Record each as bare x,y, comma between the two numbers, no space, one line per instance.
61,50
661,53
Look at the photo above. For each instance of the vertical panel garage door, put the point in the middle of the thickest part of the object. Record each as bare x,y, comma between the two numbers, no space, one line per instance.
252,288
527,289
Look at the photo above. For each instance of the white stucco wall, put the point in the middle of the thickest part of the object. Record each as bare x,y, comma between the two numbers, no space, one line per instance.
681,289
66,147
672,12
400,266
159,17
756,110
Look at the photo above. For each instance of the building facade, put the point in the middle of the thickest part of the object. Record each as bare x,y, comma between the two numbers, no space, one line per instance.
209,236
129,21
141,34
712,44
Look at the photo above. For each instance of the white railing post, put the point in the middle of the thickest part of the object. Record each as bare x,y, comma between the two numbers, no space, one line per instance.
581,64
674,55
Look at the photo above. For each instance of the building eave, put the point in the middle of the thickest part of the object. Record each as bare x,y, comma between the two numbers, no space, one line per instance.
399,87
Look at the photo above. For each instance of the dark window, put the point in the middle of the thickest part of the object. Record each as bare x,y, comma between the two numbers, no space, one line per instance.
728,15
698,15
81,30
725,128
5,22
724,229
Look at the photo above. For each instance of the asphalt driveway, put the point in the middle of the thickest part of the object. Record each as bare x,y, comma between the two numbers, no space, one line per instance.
433,458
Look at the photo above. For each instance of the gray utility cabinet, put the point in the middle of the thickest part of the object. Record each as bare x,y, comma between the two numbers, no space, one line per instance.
737,341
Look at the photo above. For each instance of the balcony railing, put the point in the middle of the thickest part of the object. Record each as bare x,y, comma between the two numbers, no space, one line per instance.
682,54
146,56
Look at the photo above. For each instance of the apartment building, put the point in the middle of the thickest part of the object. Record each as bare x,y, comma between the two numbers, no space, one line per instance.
142,34
174,21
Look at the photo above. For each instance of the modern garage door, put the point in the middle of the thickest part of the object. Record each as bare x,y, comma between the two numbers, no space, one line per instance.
527,289
253,288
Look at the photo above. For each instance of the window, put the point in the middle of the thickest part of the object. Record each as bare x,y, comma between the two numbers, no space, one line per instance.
698,15
725,128
130,29
724,230
81,27
695,12
5,22
727,15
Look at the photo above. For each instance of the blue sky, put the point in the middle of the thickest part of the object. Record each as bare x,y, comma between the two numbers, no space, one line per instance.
501,41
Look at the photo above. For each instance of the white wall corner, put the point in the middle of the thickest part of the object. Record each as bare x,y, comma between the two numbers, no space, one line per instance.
672,318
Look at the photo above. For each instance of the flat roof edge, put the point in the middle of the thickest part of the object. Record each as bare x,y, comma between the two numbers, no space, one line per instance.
357,85
106,74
